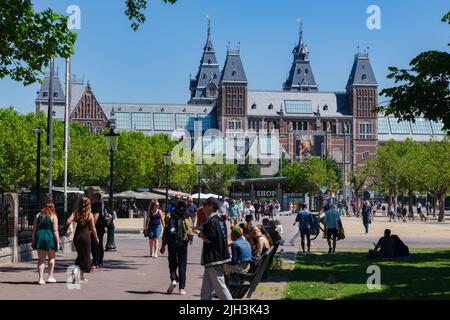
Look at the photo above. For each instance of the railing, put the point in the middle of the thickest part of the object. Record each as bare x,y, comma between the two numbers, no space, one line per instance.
4,213
29,206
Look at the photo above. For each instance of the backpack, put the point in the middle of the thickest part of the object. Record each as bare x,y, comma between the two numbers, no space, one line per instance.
175,231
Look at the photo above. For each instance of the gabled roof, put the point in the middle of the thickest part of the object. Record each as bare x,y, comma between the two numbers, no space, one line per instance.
362,73
56,87
233,70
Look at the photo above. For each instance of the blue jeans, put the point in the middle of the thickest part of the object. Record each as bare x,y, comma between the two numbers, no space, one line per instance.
366,226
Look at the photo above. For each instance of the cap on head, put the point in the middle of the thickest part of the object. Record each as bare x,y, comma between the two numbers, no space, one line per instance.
237,232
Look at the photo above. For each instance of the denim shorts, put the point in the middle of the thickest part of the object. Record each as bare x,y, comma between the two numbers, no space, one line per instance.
154,232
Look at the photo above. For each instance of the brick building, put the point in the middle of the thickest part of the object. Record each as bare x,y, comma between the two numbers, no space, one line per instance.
307,121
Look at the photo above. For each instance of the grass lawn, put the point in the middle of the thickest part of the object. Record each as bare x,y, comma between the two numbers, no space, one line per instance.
423,275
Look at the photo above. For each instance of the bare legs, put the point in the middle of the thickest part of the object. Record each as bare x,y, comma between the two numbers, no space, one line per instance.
51,263
41,264
153,244
42,254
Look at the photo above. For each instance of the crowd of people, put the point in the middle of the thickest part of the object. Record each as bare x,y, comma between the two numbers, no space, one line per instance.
234,241
247,241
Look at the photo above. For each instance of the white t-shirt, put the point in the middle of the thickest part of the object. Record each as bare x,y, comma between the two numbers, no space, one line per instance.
224,208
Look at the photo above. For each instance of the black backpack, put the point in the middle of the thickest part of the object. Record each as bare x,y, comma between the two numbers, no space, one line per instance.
175,231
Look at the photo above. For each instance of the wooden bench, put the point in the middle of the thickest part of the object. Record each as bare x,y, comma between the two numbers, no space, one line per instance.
249,281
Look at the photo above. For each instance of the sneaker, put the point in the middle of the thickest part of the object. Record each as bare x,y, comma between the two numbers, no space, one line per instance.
172,286
83,281
182,292
51,280
155,255
329,250
42,281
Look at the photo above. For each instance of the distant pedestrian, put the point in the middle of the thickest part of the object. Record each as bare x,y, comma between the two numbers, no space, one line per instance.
233,213
153,224
333,223
82,237
97,250
173,205
257,207
306,222
422,216
178,230
223,211
191,209
271,209
366,213
214,254
277,209
383,210
45,238
249,211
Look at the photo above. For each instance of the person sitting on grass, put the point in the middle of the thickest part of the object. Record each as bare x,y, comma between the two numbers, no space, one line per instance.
385,248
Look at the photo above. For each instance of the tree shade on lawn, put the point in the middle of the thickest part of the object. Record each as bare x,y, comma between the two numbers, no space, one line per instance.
423,275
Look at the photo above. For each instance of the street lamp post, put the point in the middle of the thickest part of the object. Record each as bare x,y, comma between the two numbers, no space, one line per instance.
39,131
112,138
167,165
199,171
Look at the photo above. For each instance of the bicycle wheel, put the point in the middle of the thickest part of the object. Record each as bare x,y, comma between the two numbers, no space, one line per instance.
314,232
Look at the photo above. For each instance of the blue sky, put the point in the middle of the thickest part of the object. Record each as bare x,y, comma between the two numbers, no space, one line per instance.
153,64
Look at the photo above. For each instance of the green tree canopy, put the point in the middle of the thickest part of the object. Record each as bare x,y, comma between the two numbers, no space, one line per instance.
424,89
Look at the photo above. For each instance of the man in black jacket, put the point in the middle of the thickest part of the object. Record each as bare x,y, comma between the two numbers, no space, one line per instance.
215,253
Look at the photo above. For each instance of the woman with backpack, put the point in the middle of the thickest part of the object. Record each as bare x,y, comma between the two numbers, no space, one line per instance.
45,239
178,230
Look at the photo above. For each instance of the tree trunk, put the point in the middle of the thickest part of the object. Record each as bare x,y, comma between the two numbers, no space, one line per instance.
410,201
441,208
389,202
434,206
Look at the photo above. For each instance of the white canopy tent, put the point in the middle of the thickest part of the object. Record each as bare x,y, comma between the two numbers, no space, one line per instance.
202,196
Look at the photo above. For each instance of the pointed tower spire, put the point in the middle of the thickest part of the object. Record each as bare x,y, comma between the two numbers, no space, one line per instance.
204,88
301,77
300,31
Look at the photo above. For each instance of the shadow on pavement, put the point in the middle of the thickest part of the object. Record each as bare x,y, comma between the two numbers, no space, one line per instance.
147,292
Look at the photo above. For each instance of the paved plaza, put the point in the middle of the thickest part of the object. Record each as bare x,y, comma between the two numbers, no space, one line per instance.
130,273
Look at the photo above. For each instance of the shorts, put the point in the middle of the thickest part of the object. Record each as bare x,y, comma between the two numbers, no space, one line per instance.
154,232
305,231
332,233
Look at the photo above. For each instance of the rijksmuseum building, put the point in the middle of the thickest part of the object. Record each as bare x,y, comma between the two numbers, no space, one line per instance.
307,121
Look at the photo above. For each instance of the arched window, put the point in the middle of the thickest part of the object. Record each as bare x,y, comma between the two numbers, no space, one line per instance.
364,76
299,71
205,76
99,131
306,71
233,73
215,75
